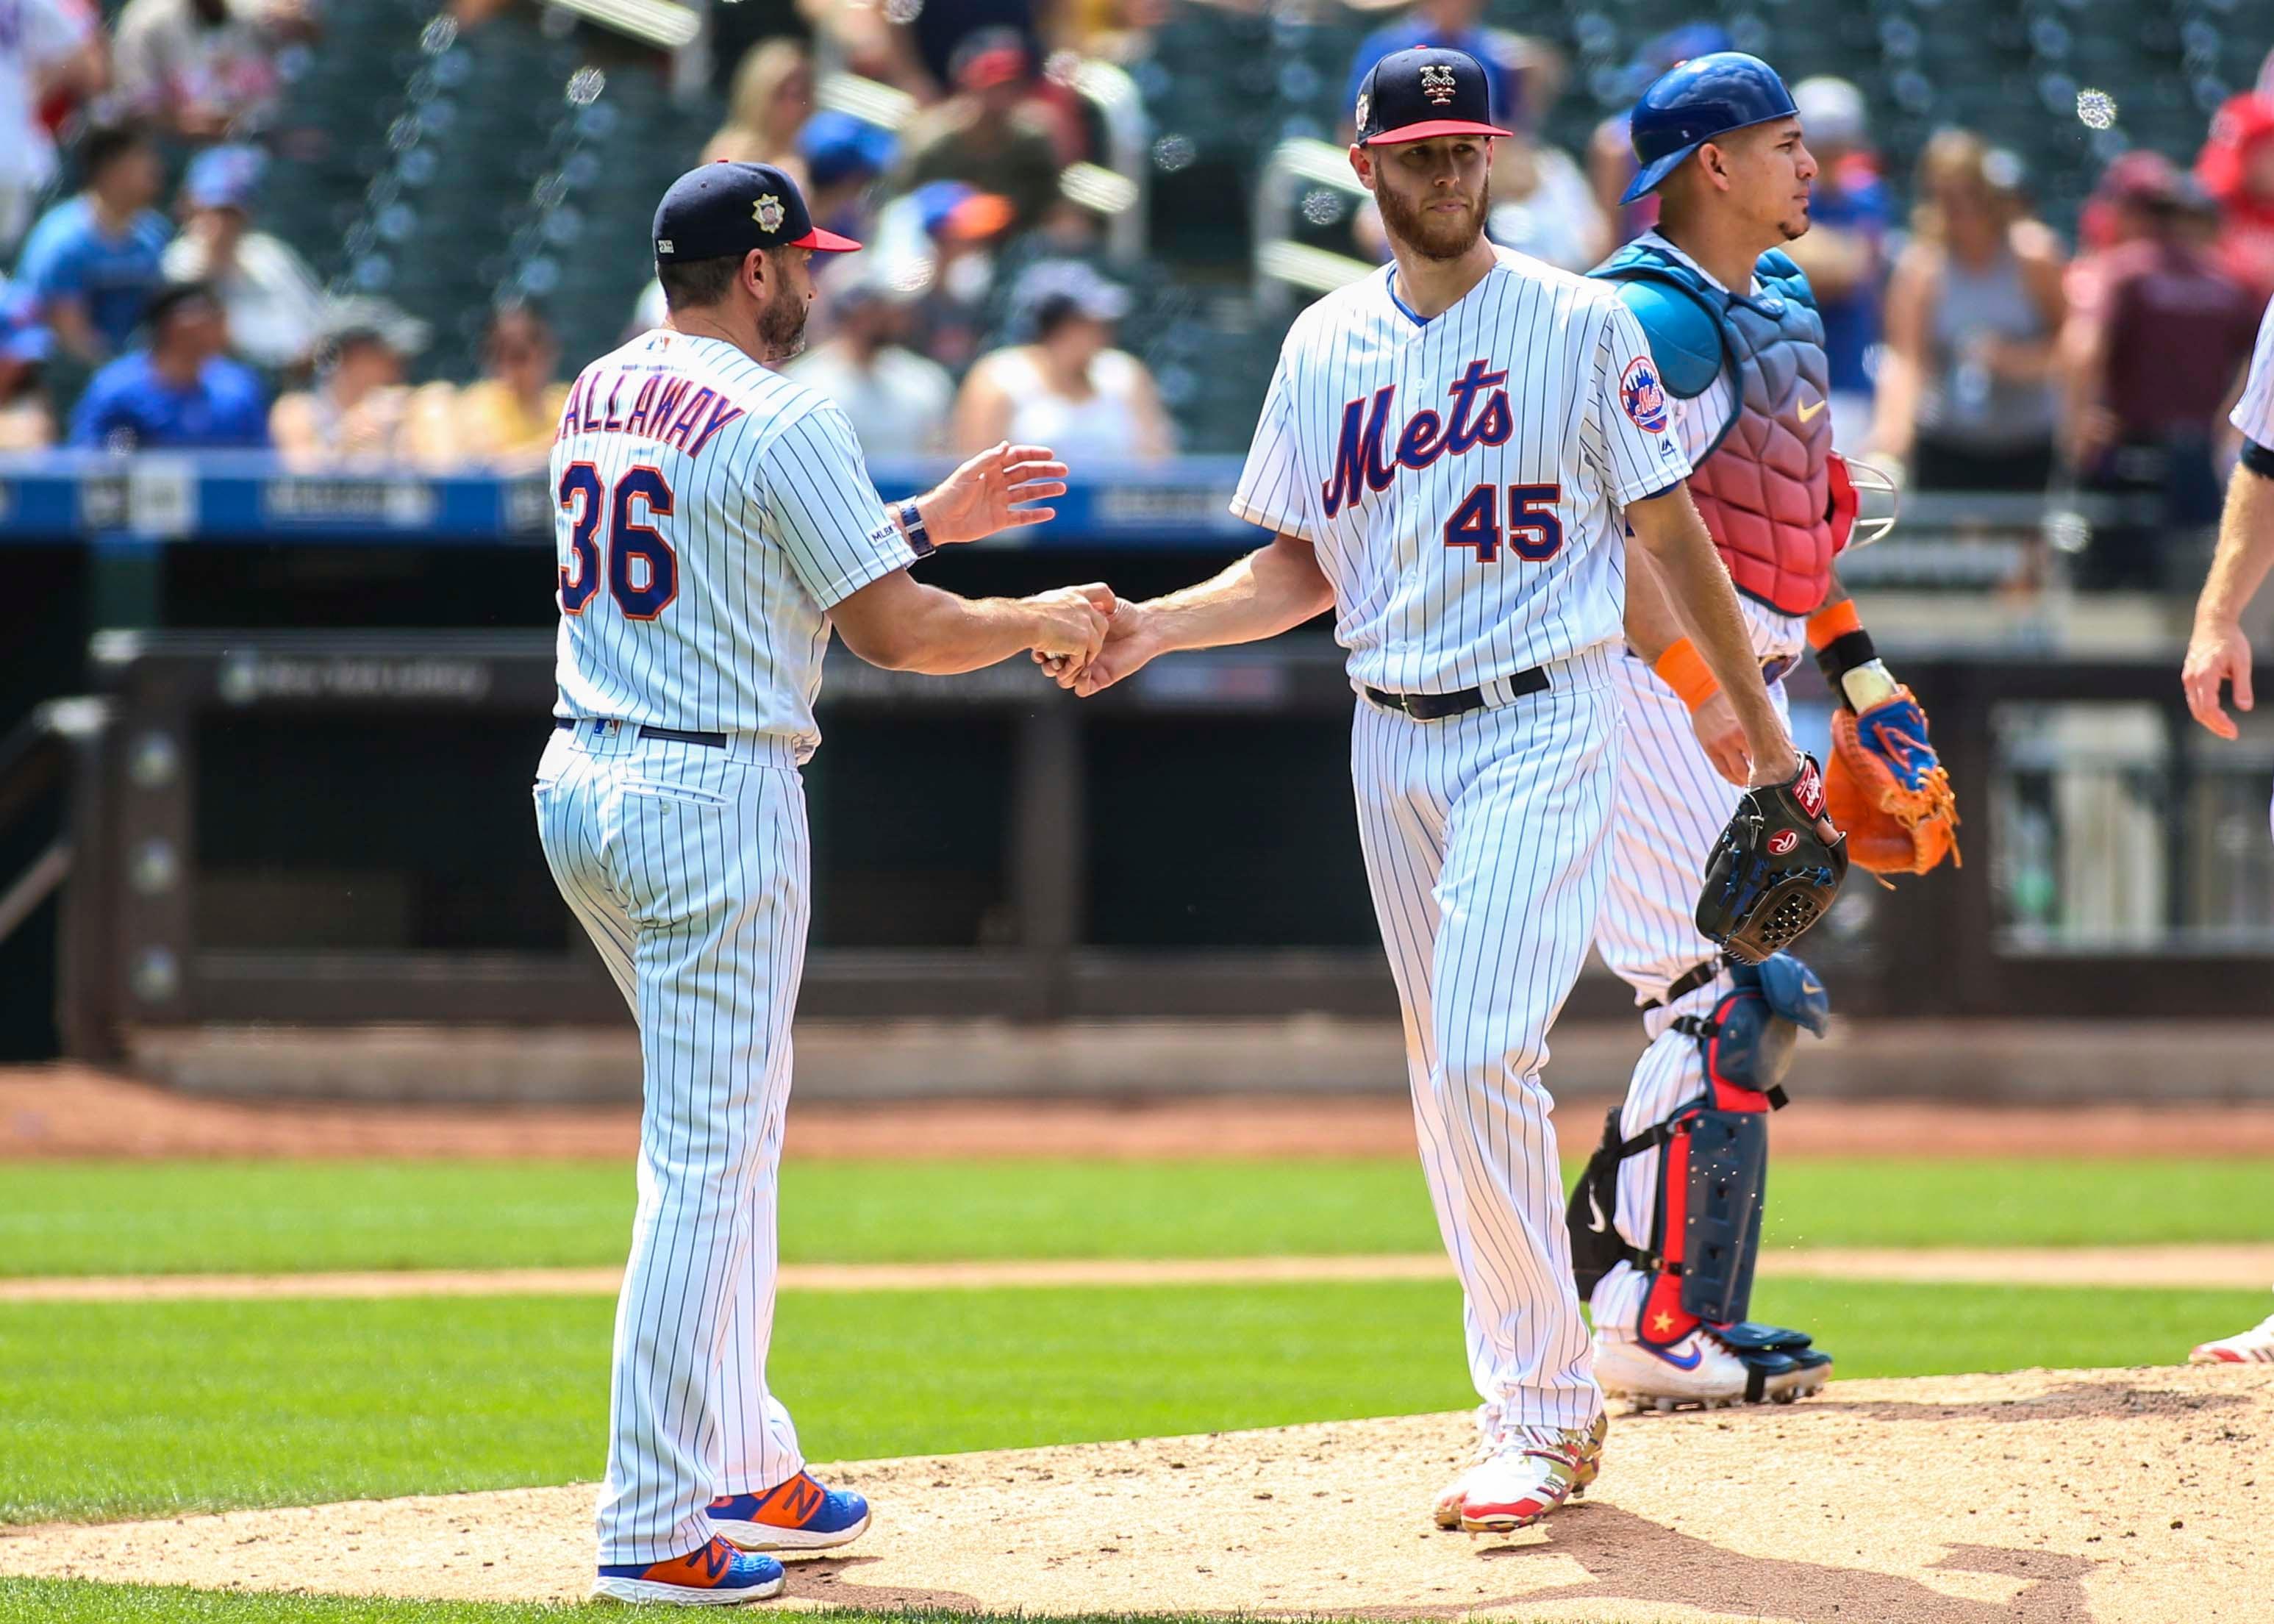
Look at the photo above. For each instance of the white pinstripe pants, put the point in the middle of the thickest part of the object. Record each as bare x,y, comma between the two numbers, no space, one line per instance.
1672,807
687,865
1485,843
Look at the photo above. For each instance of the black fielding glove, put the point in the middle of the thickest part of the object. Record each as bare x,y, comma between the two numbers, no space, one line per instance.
1775,871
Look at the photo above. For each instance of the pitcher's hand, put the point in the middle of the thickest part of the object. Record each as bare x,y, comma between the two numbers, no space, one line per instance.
2217,654
1070,625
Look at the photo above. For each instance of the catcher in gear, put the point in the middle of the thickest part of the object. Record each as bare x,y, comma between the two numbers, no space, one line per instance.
1667,1220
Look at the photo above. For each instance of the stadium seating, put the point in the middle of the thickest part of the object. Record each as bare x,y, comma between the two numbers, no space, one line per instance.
445,168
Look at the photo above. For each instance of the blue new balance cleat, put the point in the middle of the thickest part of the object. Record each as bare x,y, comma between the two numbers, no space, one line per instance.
797,1516
714,1575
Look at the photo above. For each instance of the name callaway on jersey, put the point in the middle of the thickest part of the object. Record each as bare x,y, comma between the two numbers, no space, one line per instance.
663,409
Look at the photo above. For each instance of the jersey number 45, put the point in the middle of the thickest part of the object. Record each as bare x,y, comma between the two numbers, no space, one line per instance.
1534,533
643,570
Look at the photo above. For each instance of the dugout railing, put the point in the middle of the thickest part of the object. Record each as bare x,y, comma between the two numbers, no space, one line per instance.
334,828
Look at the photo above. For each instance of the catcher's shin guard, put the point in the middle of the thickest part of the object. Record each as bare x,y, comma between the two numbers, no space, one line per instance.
1712,1159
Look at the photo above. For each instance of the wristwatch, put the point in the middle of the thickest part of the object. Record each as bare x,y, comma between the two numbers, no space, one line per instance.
911,527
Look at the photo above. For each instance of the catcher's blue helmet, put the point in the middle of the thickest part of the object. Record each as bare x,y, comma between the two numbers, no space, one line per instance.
1692,103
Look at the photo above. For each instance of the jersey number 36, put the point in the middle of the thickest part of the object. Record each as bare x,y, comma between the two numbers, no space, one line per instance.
643,570
1534,532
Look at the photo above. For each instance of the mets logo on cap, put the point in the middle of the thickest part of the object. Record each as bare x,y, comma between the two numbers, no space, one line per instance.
1642,397
1438,84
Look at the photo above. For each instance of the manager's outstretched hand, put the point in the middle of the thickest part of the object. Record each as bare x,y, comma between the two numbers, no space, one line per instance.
986,494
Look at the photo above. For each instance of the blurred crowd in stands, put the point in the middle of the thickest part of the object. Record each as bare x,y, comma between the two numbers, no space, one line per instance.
1973,349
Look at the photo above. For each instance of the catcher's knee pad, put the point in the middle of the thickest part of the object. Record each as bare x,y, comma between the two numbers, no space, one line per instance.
1713,1158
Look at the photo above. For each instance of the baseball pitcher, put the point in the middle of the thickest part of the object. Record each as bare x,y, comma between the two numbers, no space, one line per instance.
2219,652
1452,455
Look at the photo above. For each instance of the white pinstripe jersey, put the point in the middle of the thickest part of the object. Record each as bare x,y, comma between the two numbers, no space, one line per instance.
1699,421
1463,477
712,512
2253,413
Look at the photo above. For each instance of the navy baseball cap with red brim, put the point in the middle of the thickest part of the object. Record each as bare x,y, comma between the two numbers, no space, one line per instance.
1411,95
722,210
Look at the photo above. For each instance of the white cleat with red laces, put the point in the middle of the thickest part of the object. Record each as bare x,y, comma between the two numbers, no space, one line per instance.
1523,1475
2255,1346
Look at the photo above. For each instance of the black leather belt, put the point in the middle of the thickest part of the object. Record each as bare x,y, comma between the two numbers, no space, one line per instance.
1437,707
681,735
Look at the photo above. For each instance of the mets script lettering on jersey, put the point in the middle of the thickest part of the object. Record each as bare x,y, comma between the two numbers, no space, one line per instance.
1462,479
1359,451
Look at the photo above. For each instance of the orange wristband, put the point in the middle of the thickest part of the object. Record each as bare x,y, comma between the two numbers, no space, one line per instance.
1833,621
1683,669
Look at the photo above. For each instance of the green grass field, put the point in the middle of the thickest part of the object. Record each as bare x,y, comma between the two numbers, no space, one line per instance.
124,1409
283,1217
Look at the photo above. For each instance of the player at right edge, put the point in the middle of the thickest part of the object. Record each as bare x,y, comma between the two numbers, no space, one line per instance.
2219,652
1451,456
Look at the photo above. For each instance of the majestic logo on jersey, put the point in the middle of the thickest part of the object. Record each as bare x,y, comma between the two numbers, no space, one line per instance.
1366,460
1437,84
1643,396
767,211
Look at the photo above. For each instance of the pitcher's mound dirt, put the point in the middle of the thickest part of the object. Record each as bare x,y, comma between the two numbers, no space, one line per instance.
2061,1497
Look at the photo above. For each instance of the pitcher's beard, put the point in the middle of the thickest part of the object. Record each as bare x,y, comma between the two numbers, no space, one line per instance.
1434,237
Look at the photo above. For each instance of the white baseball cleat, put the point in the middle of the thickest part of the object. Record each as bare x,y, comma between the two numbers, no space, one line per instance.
1519,1478
1696,1371
2255,1346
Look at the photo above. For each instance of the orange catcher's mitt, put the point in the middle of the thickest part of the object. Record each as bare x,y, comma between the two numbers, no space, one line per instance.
1886,790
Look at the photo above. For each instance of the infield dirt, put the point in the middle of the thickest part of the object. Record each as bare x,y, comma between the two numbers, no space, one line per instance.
2053,1496
70,1111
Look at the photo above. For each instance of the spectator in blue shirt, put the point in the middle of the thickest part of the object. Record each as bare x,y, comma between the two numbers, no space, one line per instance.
94,261
180,393
1455,25
1845,252
26,422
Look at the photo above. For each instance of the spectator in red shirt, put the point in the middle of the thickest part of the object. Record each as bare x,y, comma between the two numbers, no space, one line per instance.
2157,354
2121,209
2236,169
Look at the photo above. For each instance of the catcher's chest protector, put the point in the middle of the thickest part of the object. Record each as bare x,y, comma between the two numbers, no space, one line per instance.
1764,488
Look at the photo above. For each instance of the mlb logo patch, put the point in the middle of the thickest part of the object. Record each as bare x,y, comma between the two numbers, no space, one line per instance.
1640,393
